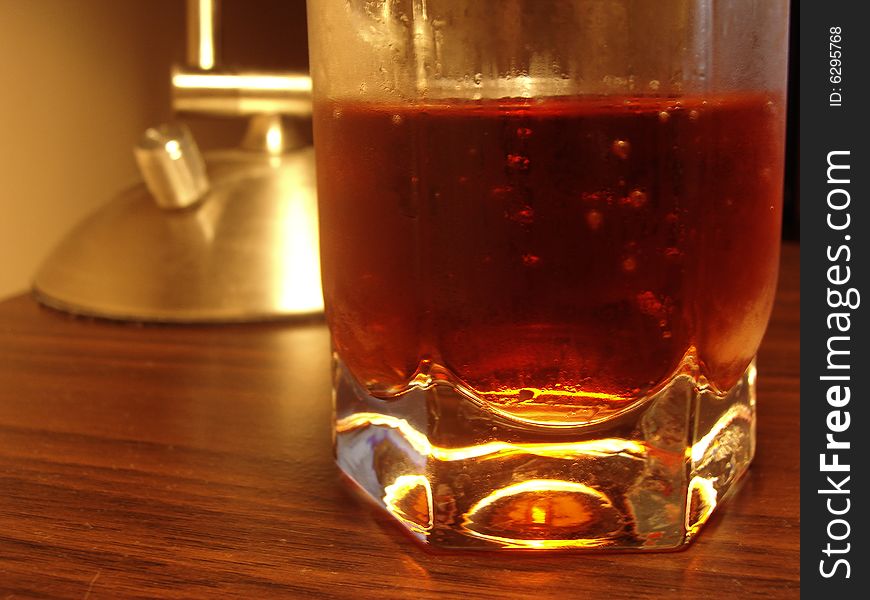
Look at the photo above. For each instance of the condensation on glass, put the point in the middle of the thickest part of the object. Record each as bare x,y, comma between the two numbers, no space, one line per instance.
549,240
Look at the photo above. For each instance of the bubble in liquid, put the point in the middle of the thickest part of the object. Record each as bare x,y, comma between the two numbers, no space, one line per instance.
637,198
666,334
531,260
629,264
649,304
664,116
524,132
594,218
336,113
672,252
654,85
397,119
518,162
621,148
523,213
478,78
502,193
694,115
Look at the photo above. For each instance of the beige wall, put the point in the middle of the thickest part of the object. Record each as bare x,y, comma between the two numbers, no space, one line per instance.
79,82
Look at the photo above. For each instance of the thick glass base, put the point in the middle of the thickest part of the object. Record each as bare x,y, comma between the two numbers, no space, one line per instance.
458,475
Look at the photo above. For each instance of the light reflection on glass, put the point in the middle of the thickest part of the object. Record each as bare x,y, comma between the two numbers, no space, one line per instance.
701,502
409,499
539,505
497,449
736,412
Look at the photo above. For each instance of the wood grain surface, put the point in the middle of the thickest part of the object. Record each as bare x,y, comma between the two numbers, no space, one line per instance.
191,462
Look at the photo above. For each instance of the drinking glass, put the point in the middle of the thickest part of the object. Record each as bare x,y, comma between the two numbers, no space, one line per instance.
549,240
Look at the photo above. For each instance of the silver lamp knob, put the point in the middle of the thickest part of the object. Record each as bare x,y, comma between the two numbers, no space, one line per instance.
172,166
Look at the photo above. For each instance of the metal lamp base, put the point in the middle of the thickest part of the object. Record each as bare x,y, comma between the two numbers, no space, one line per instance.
246,251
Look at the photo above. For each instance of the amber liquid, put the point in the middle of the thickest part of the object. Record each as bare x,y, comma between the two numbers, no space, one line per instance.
563,257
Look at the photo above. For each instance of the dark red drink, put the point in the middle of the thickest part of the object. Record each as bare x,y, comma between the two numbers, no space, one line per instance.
556,257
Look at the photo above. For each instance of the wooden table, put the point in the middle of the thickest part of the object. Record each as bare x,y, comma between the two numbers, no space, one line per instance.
174,461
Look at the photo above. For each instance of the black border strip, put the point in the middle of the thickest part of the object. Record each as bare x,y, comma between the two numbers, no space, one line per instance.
834,227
